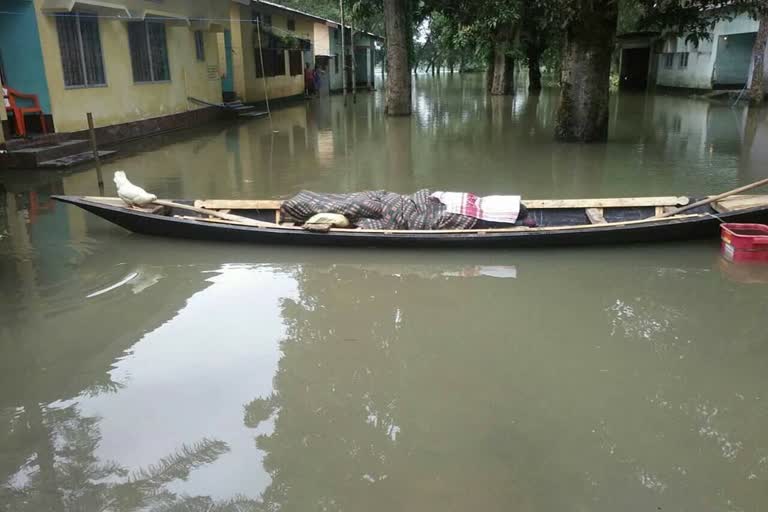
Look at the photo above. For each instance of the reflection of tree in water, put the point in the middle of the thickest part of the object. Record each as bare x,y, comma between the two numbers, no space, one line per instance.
370,411
62,473
408,392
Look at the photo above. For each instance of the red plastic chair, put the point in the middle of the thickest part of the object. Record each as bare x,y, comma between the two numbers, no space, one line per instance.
10,97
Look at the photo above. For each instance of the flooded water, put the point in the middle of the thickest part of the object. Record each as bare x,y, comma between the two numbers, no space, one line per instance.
141,374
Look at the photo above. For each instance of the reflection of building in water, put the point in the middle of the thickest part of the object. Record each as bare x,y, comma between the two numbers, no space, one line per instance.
731,139
326,153
754,151
684,123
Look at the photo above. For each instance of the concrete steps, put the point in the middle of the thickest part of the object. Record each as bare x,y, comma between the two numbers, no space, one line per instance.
254,115
46,152
243,110
33,156
75,159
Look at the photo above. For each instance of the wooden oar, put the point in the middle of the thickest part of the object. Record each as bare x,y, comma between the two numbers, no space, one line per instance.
712,199
214,213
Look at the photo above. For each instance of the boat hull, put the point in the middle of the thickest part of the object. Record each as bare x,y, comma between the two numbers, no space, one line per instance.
665,230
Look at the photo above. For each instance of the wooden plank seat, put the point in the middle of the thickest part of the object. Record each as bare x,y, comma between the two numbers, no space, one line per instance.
618,202
739,203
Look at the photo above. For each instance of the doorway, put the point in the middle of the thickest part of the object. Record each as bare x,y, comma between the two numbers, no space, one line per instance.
734,60
634,69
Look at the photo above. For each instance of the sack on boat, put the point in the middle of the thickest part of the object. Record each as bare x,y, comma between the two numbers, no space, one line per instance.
336,220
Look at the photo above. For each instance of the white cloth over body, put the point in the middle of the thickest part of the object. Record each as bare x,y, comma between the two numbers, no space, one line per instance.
491,208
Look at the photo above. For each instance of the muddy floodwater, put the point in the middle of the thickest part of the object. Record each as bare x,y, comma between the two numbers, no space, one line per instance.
143,374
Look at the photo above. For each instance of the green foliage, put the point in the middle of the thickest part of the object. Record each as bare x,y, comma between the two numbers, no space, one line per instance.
443,44
259,410
696,18
364,14
460,31
323,8
630,15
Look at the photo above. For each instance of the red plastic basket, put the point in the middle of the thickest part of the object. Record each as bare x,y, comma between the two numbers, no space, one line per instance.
744,242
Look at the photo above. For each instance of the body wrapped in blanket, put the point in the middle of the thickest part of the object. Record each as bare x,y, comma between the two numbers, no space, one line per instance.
380,209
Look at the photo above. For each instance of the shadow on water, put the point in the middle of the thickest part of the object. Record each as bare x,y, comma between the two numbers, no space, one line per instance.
148,374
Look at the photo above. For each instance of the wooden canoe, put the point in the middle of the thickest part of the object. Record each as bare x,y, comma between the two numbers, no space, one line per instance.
561,222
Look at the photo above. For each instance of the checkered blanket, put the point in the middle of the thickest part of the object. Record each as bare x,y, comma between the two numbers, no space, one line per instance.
377,209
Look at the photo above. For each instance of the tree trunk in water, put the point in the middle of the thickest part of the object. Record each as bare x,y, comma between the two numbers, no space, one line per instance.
489,74
503,67
398,95
589,39
534,71
451,67
757,88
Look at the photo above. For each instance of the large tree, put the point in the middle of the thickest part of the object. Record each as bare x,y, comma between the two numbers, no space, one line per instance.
398,26
537,34
757,87
496,21
502,79
590,30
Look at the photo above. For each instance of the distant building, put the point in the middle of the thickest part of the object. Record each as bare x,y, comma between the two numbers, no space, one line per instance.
724,61
290,40
129,62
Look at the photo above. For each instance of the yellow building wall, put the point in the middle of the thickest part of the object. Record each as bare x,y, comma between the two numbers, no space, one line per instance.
122,100
221,45
321,39
247,86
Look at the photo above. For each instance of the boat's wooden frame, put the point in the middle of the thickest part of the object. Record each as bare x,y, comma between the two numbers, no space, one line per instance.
564,222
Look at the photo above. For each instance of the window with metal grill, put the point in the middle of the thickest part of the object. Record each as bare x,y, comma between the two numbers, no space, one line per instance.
291,25
336,63
274,63
81,56
149,52
294,62
199,45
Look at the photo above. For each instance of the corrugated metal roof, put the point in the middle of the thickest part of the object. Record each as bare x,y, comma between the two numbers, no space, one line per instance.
308,15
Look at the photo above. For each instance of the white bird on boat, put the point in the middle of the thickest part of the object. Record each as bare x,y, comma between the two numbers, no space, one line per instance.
130,193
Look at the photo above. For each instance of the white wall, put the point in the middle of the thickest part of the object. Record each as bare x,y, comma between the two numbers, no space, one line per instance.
701,60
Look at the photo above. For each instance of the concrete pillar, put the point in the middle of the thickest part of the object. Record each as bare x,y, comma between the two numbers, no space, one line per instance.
243,53
371,55
3,117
